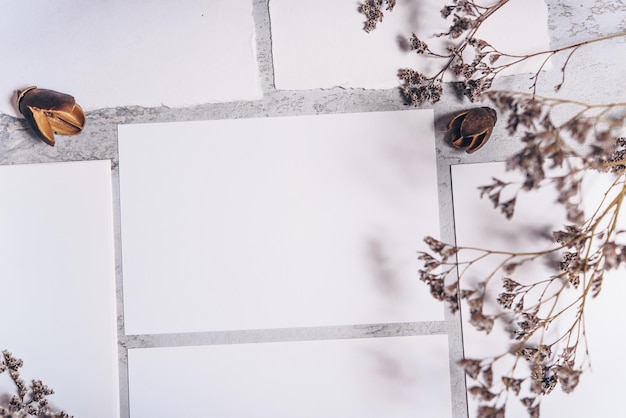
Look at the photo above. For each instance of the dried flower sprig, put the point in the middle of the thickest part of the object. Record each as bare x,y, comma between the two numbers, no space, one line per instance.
486,64
585,251
373,11
584,140
418,88
475,61
556,151
557,154
528,309
29,400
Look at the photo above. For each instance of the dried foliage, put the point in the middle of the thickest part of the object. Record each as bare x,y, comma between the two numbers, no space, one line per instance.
527,308
584,140
541,355
560,141
473,63
30,401
373,11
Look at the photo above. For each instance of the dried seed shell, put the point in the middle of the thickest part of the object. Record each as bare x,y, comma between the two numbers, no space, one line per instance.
49,112
470,130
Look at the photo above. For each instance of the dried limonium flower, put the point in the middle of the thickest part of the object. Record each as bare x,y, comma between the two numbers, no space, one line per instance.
372,9
418,89
525,308
474,61
30,400
585,141
616,162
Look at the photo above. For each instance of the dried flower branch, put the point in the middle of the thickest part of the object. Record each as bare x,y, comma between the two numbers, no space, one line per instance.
372,9
562,140
475,61
583,141
527,308
556,154
29,400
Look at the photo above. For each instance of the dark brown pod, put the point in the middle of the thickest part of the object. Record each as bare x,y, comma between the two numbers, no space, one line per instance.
471,129
49,112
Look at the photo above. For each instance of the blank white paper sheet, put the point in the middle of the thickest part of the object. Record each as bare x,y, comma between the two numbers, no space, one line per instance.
322,44
58,283
131,52
363,378
478,224
276,222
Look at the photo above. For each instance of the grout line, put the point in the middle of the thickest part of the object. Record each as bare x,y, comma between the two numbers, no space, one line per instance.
263,39
122,352
458,384
399,329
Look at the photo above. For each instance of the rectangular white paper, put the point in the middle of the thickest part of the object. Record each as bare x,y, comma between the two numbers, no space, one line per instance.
58,282
381,377
131,52
322,44
276,222
478,224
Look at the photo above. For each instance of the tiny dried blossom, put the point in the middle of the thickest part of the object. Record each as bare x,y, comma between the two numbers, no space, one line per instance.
485,411
533,411
596,285
372,9
482,393
411,77
471,366
568,378
529,353
439,247
571,261
617,156
430,263
509,284
614,255
460,24
508,207
417,45
568,353
506,299
481,322
568,237
512,384
30,401
11,362
431,92
487,375
473,89
544,351
543,380
447,11
529,323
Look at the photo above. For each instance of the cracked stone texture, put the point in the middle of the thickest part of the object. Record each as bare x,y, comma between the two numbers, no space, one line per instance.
595,74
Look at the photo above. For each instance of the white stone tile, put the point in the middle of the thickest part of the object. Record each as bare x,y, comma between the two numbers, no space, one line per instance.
391,377
130,52
276,222
58,282
478,224
321,44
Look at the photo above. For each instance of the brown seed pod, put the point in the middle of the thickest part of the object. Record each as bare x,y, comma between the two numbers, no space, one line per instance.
471,129
49,112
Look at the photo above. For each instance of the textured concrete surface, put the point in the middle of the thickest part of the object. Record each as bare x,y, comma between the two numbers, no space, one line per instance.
595,74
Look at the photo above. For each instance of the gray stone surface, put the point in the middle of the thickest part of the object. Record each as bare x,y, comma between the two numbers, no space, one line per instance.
595,74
